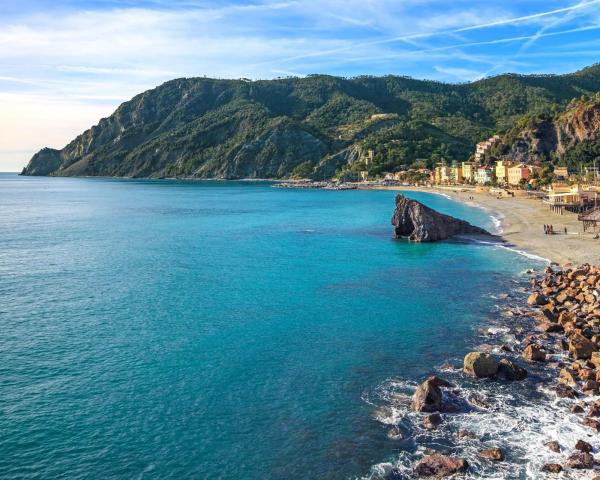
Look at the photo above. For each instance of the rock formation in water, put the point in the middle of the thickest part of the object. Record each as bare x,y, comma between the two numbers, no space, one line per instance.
419,223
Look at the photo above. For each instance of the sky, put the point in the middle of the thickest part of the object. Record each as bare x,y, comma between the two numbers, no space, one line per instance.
64,64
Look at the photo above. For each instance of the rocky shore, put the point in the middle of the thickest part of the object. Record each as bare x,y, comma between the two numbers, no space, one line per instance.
555,350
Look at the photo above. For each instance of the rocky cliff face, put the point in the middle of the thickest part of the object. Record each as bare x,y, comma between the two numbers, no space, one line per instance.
578,124
420,223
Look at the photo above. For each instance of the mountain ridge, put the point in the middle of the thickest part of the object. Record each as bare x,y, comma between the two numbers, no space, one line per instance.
314,126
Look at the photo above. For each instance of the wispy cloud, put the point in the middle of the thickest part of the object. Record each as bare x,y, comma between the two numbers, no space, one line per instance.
63,69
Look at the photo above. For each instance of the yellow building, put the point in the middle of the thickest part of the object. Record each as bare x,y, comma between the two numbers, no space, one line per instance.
468,171
455,174
442,174
561,172
564,197
502,167
519,172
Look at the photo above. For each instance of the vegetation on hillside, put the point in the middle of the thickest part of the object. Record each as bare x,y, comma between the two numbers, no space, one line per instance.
311,126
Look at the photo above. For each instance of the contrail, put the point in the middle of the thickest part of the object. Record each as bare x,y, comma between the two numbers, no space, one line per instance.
415,36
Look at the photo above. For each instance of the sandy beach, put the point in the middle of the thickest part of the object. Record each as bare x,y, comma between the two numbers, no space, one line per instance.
522,223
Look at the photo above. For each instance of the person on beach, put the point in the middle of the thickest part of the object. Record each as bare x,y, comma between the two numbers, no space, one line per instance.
565,230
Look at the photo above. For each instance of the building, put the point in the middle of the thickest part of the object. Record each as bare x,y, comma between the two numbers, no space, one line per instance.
442,174
468,171
483,148
484,174
563,197
502,167
561,173
519,172
455,175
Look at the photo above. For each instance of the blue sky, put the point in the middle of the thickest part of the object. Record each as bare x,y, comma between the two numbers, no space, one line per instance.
66,63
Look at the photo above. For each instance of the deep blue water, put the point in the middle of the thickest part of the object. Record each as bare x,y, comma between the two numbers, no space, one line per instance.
168,330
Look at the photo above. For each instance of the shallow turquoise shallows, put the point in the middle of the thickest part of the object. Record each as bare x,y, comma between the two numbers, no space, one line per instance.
169,330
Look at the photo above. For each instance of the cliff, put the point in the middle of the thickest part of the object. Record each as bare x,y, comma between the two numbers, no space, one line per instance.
570,137
313,126
420,223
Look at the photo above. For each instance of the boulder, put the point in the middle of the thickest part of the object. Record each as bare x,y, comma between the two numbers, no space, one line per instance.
510,370
552,468
583,446
432,421
534,353
553,445
580,347
494,454
428,396
580,460
420,223
592,423
568,377
595,359
564,391
438,465
537,298
480,365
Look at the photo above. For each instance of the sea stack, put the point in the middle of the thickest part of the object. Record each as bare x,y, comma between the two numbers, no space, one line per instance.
420,223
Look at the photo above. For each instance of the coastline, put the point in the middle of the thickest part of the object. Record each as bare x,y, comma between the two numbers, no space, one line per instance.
521,225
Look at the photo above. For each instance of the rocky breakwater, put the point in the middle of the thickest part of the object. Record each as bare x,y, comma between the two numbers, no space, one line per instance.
566,303
546,364
420,223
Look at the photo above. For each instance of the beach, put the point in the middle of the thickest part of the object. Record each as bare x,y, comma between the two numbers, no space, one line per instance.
521,221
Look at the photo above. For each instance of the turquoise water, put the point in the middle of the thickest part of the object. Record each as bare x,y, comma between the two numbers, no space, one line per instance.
167,330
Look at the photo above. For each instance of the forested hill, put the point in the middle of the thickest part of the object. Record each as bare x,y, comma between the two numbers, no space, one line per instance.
313,126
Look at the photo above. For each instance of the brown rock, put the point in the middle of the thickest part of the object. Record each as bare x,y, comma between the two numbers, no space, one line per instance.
510,370
583,446
592,422
595,359
432,421
564,391
568,377
554,446
480,365
534,352
494,454
552,468
580,347
466,434
577,409
537,299
580,460
594,410
438,465
427,397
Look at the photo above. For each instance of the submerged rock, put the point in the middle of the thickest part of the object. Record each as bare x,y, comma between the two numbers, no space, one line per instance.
553,445
420,223
480,365
432,421
438,465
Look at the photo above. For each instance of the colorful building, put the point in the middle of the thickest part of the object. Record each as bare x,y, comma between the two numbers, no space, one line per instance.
468,171
563,197
455,175
519,172
483,148
484,174
502,167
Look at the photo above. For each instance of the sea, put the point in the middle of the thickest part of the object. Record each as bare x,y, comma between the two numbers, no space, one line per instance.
158,329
